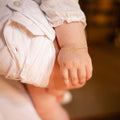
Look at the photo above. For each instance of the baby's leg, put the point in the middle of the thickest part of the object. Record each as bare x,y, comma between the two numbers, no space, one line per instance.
46,104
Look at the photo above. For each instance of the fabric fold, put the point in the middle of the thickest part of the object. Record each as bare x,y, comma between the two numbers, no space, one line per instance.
29,44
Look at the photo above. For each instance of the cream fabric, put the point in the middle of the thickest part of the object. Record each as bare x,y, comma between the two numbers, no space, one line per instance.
58,11
28,38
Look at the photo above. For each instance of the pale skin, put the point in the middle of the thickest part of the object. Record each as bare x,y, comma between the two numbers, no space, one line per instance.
75,66
71,70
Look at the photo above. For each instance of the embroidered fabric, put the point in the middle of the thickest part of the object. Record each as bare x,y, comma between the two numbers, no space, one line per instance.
58,11
68,18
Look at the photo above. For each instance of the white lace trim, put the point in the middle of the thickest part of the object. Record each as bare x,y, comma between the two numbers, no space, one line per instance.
69,17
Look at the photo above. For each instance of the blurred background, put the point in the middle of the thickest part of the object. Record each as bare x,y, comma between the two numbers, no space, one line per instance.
99,99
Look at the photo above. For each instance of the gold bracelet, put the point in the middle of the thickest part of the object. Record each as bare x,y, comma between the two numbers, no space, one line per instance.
74,48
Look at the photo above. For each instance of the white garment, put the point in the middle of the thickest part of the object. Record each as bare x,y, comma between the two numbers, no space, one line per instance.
29,40
58,11
26,49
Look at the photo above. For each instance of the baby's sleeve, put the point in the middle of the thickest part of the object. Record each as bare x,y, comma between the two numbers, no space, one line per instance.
58,11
